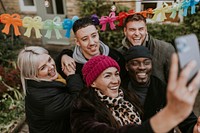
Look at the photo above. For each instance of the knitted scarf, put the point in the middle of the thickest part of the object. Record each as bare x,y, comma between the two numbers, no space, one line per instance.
123,111
78,55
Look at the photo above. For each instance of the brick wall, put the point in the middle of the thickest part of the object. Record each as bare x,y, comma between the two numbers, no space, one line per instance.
12,6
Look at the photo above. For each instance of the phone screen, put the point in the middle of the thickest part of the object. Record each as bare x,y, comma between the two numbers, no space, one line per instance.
187,47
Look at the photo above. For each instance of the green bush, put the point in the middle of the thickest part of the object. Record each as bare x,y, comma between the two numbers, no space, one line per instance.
192,22
112,38
166,32
11,97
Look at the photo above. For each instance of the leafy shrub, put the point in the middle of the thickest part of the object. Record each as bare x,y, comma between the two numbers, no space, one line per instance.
167,32
11,98
109,37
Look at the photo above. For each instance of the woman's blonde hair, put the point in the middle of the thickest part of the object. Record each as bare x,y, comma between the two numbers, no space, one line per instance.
27,63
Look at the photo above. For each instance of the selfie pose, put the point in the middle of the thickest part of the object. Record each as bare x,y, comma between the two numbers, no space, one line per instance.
88,45
150,90
48,96
105,107
136,33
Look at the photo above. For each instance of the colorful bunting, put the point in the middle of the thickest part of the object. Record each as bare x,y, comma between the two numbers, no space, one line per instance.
67,25
161,10
9,20
108,19
35,23
123,15
176,7
56,24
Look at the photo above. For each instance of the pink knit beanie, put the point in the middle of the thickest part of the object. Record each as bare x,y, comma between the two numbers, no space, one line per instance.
95,66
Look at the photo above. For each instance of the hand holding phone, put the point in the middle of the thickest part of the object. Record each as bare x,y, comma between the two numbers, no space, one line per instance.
187,48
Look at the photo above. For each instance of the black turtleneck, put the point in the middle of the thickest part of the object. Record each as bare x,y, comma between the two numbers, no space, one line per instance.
140,90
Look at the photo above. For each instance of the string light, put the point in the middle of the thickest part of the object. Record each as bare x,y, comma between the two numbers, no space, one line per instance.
46,3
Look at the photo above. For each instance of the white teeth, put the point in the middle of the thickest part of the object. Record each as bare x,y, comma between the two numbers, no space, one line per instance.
141,74
114,88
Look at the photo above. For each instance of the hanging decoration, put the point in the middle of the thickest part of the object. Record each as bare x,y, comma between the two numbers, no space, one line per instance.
95,19
67,25
56,24
185,6
176,7
161,10
13,20
108,19
148,11
35,23
193,4
123,15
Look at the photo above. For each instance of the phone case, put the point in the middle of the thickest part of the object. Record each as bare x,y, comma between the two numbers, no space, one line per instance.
187,47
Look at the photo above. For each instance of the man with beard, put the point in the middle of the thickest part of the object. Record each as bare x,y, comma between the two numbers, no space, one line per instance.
150,90
87,46
135,31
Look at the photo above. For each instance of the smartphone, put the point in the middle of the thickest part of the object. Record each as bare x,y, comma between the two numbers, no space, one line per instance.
187,48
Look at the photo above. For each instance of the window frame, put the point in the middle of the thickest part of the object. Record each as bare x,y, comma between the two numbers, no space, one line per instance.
25,8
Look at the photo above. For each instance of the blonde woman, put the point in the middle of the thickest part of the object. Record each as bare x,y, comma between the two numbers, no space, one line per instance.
48,96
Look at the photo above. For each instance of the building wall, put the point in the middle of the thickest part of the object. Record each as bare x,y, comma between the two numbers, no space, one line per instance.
72,7
12,6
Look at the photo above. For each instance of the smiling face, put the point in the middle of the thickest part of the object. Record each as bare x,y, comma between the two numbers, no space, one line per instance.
88,40
140,70
46,68
135,31
108,82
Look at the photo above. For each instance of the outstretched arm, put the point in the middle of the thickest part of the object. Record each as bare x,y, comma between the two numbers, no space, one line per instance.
180,98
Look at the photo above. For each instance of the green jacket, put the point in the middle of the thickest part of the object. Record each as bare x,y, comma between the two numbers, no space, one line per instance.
161,52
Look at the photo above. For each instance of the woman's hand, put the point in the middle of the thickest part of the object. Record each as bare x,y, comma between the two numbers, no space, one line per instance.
68,65
68,62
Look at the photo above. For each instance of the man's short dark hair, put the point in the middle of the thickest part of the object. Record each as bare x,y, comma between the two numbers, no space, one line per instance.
82,23
134,17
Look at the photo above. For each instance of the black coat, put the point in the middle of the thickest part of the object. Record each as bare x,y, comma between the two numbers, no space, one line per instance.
47,104
156,100
86,117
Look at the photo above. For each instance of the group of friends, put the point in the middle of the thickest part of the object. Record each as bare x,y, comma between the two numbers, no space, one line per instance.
97,89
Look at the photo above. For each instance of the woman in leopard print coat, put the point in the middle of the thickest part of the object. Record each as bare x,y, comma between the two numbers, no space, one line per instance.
104,107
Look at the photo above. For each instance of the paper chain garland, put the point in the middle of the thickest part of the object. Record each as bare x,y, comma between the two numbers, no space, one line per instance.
37,24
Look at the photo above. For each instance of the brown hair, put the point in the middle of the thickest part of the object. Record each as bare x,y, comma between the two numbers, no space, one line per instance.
134,17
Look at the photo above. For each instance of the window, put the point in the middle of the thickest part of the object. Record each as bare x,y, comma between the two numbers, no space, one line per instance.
27,5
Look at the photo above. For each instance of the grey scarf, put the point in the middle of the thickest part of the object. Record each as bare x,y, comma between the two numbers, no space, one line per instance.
78,55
